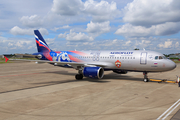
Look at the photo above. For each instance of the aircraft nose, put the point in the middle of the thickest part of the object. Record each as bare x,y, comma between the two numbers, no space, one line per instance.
172,65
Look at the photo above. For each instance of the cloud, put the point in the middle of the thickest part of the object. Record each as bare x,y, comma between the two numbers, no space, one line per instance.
12,11
130,30
17,45
177,45
101,11
63,27
167,44
152,12
67,7
62,35
32,21
20,44
73,36
128,43
144,24
168,28
98,28
19,31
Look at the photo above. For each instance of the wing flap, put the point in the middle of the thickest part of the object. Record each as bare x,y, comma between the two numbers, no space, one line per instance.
84,64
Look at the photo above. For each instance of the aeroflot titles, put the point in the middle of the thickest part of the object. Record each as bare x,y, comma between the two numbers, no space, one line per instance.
121,53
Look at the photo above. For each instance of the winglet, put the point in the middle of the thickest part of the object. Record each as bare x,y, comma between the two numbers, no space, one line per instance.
6,58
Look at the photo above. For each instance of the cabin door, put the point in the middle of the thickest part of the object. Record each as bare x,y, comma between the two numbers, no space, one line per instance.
143,58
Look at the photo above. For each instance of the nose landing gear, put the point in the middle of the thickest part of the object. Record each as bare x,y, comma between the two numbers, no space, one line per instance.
145,77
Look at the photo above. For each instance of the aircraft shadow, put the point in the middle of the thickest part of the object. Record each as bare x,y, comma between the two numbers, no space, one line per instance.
68,81
106,76
121,77
104,80
62,73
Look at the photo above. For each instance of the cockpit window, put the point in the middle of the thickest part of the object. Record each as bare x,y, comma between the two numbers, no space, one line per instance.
160,57
164,57
156,57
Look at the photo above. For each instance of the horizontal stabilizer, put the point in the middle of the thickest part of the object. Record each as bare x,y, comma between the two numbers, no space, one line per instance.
6,58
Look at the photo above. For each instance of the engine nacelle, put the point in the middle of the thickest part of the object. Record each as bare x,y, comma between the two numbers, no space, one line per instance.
93,72
120,71
39,56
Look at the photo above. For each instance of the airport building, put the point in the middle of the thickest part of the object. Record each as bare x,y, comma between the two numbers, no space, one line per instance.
1,56
175,57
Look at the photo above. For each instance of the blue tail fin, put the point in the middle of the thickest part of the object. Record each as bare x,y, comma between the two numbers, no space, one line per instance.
40,42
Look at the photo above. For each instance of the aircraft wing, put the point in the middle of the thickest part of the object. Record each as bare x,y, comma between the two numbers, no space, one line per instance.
73,64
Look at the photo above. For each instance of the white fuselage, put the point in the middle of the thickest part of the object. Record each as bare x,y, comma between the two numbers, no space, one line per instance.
132,60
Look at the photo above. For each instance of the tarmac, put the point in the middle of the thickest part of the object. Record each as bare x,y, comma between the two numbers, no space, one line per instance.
30,91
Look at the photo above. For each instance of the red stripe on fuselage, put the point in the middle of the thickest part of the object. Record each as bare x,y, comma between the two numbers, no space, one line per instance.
74,59
57,51
79,53
47,55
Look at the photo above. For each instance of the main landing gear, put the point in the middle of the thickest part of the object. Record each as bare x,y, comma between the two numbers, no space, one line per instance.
145,77
79,76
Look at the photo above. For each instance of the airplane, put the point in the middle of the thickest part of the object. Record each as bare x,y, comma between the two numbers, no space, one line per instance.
92,64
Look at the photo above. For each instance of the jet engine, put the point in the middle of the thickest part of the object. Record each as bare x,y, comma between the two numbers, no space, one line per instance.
93,72
39,56
120,71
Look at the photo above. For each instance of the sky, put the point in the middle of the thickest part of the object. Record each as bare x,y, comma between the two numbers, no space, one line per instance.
90,25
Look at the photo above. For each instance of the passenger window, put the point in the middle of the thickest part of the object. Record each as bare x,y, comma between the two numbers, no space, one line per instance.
156,58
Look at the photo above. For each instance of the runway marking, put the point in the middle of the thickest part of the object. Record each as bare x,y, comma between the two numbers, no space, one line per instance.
168,112
18,75
40,90
29,70
76,98
38,70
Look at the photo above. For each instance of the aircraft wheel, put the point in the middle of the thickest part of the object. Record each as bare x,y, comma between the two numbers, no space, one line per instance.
79,76
146,80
